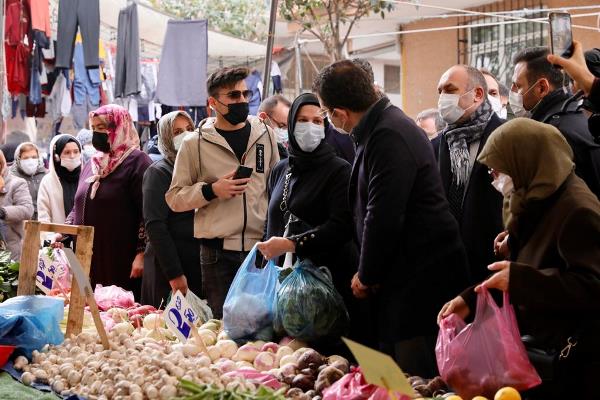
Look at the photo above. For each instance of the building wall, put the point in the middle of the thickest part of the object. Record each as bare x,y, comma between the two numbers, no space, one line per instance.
378,71
425,56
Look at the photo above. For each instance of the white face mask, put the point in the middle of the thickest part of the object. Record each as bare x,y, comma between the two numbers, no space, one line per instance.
503,113
515,100
449,108
516,104
337,128
309,135
178,140
30,165
503,184
496,103
71,164
282,135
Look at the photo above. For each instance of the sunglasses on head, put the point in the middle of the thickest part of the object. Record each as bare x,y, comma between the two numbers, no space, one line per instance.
237,94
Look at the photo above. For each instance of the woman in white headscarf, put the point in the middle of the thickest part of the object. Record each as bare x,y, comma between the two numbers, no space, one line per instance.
172,259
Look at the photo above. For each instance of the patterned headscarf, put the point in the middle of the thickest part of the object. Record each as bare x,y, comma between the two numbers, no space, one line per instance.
165,134
123,139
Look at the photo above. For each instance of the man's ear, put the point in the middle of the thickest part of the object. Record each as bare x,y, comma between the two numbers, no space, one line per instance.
480,94
544,87
262,115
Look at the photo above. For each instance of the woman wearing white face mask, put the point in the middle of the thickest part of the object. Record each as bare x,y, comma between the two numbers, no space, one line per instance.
29,165
57,189
172,256
308,193
552,273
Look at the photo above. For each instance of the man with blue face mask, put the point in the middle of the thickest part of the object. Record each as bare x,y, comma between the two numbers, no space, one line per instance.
537,92
477,207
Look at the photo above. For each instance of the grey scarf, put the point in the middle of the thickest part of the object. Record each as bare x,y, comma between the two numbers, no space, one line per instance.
460,136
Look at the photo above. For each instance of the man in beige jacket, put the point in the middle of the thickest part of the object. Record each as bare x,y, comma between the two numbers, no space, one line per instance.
230,213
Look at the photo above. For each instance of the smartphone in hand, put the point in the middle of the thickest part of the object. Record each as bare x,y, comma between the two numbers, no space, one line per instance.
243,172
561,34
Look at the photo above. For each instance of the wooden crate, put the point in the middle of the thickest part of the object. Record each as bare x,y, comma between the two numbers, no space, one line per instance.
28,270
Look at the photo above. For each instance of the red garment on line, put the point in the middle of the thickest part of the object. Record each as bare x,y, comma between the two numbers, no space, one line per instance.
40,16
17,53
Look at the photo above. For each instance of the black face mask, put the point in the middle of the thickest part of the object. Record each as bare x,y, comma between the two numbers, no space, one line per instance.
100,141
238,113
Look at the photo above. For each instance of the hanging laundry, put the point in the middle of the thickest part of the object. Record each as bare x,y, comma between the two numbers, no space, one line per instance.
87,80
276,77
182,69
40,41
254,83
59,100
17,46
128,79
72,14
40,16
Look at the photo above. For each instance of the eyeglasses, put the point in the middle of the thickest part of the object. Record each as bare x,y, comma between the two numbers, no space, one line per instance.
324,113
278,124
237,94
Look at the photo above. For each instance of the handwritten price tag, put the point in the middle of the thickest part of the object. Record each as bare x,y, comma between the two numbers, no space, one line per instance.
180,317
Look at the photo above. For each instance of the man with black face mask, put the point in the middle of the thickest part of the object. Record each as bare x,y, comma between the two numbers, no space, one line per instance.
231,210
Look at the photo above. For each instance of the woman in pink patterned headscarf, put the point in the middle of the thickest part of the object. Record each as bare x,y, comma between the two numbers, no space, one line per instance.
109,198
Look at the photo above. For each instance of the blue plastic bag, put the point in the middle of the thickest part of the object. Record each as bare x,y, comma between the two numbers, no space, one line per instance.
31,322
248,308
308,307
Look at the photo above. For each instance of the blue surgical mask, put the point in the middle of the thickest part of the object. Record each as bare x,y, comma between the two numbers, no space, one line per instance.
309,135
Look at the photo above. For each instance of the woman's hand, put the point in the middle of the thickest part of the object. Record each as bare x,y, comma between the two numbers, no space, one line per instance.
137,267
57,244
501,245
179,283
275,247
500,280
456,306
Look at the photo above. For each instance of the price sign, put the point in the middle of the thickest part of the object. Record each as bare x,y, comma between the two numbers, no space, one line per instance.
180,317
45,271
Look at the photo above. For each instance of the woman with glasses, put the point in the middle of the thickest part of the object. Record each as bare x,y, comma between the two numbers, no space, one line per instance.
309,215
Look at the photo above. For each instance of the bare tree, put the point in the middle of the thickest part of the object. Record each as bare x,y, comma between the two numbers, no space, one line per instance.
331,21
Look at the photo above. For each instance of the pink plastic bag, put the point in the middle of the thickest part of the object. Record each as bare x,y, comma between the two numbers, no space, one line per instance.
486,355
112,296
353,386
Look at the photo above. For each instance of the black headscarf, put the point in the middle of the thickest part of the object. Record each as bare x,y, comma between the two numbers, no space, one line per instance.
68,179
301,160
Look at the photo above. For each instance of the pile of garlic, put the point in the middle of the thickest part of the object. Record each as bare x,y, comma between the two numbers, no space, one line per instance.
134,368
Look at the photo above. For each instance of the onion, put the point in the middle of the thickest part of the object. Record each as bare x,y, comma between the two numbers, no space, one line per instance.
247,352
265,361
228,348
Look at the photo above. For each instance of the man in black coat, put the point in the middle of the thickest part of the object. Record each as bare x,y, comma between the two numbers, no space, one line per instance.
474,202
537,91
411,255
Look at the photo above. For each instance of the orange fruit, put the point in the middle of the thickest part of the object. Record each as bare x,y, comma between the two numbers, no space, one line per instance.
454,397
479,398
507,393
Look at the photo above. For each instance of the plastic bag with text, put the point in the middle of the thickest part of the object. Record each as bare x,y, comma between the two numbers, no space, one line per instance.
486,355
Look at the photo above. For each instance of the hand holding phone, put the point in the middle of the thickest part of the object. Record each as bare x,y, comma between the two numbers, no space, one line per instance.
242,172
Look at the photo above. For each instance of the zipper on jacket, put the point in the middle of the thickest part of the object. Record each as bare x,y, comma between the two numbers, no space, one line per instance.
243,161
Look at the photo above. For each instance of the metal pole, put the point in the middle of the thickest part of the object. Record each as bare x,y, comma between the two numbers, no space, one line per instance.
2,73
270,40
298,67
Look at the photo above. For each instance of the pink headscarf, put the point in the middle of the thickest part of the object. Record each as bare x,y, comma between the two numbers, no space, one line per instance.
123,139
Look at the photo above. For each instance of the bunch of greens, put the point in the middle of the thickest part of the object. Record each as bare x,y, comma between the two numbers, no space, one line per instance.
210,392
9,276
